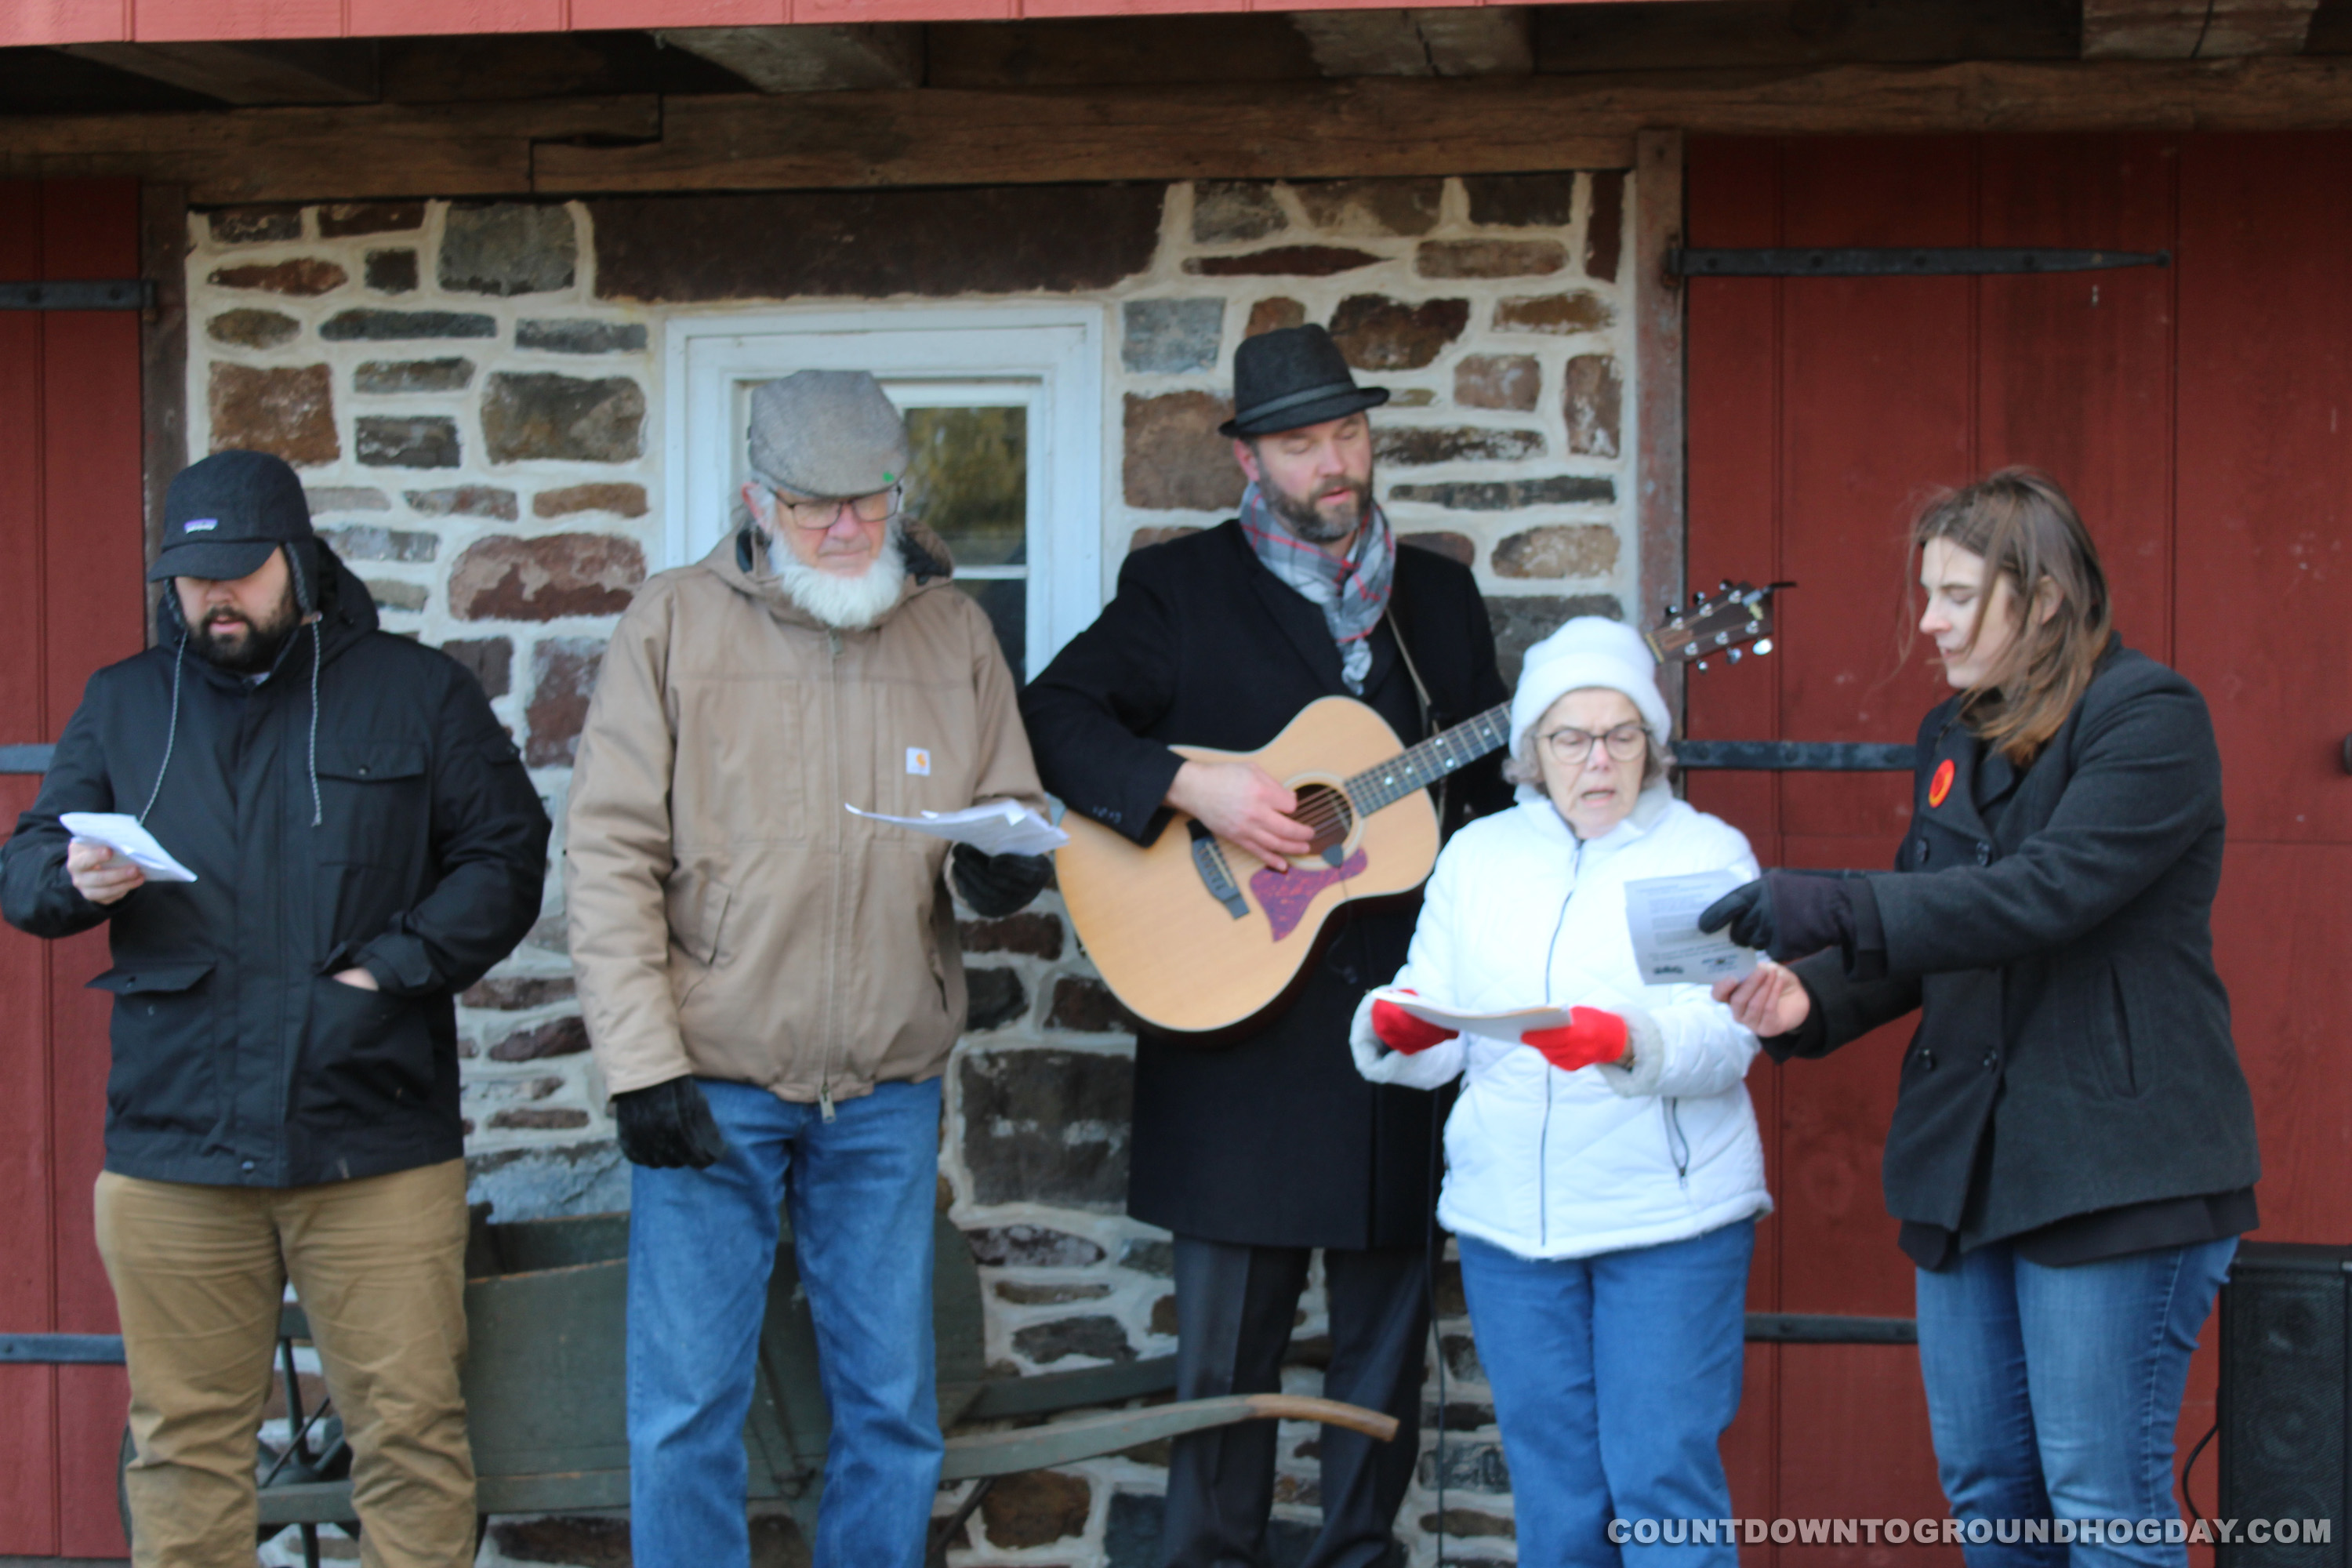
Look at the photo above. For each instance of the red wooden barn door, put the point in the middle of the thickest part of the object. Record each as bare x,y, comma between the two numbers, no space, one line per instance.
2202,417
70,600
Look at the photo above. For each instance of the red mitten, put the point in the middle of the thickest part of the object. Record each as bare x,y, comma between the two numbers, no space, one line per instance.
1591,1035
1402,1033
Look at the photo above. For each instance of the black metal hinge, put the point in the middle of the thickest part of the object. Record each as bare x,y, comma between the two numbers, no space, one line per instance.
98,294
24,759
1797,756
1963,262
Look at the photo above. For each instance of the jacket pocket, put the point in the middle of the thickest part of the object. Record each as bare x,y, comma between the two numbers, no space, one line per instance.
695,903
2103,1059
164,1072
366,1055
375,805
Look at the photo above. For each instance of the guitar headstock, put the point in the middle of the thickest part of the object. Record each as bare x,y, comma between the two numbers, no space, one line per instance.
1736,617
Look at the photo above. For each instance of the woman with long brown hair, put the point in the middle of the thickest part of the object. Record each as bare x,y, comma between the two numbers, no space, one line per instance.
2072,1153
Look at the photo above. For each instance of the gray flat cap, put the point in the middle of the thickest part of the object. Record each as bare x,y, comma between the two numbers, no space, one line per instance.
828,434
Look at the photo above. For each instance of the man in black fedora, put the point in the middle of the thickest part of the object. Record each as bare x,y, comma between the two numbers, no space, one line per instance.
1254,1154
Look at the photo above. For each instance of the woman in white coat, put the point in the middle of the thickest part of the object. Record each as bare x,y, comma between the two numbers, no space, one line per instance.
1603,1178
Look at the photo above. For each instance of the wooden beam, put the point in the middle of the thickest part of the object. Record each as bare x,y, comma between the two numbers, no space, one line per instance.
1449,42
810,58
1369,126
310,71
1661,523
2193,29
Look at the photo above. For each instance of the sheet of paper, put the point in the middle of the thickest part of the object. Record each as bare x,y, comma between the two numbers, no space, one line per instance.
1507,1026
122,834
1668,947
992,828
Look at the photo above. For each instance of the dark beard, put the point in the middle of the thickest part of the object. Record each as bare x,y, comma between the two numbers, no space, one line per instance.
256,650
1301,518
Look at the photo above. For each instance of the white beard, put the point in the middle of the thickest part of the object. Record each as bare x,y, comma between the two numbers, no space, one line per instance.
848,603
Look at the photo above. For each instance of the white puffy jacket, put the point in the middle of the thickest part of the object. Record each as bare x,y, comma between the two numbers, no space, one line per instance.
1519,912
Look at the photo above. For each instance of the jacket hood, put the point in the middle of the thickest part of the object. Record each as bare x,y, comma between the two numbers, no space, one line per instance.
740,561
348,611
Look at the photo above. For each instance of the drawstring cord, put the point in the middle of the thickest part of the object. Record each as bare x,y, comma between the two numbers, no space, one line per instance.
172,732
318,811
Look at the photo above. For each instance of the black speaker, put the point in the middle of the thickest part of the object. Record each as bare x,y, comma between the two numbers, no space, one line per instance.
2285,1404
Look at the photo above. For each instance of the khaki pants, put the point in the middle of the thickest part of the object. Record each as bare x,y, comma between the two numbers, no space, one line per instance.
379,1265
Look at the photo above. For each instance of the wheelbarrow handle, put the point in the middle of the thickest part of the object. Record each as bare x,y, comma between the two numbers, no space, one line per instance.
1090,1437
1329,1412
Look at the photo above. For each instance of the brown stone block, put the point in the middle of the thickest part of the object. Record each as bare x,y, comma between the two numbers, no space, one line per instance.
585,1540
1499,381
1096,1336
1225,210
290,412
391,595
391,272
1593,397
559,1037
1086,1005
1037,936
1163,1316
1282,260
1046,1127
1604,231
373,541
1030,1247
305,276
1521,201
491,659
503,578
507,249
996,240
563,418
464,501
1412,446
256,225
563,677
1466,1523
1559,314
1273,314
1509,495
621,501
1376,333
1575,550
1453,546
1024,1295
1036,1507
1175,460
253,328
1144,537
338,219
1489,258
992,998
539,1117
517,992
425,441
1371,206
387,377
335,497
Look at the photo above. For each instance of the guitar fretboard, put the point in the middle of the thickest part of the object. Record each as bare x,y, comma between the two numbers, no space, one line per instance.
1422,765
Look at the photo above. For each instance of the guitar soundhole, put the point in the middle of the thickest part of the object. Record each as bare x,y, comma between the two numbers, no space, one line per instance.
1329,813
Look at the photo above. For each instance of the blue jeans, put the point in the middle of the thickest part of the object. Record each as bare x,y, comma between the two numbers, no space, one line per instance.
1614,1377
2053,1394
701,1243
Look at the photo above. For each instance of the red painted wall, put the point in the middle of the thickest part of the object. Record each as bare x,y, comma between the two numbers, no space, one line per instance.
70,600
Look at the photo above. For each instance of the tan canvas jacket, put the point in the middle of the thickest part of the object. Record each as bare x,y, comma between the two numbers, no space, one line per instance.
729,917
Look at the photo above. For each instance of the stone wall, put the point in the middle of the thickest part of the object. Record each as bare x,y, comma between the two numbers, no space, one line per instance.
472,394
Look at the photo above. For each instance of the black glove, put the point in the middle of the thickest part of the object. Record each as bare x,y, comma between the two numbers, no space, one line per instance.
668,1125
1787,914
998,885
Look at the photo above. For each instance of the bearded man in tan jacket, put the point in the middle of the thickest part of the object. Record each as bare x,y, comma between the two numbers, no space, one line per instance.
772,984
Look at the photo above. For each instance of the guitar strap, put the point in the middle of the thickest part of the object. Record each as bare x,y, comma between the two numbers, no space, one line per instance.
1421,698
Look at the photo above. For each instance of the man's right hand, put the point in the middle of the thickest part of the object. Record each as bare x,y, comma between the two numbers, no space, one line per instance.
1244,804
99,874
668,1125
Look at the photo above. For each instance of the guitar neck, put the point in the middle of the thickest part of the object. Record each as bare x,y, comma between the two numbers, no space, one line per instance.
1418,767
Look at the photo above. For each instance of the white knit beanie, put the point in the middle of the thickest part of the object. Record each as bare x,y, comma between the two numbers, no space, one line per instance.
1589,651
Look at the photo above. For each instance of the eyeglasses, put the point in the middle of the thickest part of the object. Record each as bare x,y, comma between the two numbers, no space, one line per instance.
1625,743
818,515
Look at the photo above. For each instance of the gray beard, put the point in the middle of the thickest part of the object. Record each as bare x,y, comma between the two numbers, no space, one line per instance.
845,603
1303,519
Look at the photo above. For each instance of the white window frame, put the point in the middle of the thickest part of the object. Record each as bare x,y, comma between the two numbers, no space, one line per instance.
1050,357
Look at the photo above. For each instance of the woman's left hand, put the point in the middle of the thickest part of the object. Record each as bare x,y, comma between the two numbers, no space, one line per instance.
1590,1036
1767,1001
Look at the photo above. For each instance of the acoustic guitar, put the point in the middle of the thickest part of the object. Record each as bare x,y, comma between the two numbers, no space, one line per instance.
1195,936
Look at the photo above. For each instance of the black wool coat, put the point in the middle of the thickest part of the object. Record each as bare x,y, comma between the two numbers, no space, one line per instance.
1276,1140
2053,927
236,1061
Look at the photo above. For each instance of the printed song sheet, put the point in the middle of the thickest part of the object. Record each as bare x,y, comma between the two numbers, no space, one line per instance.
1507,1026
994,827
121,833
1668,947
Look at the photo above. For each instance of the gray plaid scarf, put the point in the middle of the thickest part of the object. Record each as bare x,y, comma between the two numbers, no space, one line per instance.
1353,589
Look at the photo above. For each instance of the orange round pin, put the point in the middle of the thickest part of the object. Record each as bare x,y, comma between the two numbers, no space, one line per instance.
1941,784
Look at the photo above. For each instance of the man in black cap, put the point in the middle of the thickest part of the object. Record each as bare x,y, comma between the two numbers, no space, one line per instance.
1256,1153
283,1096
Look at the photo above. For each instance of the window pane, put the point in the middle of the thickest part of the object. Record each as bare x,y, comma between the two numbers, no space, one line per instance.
1006,600
970,483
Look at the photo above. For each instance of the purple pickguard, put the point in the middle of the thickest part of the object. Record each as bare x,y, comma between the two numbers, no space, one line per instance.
1285,896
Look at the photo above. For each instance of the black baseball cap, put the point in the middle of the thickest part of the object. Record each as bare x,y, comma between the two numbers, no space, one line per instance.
223,516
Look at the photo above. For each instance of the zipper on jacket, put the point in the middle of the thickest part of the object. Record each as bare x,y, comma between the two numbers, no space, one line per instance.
840,858
1543,1134
1677,1145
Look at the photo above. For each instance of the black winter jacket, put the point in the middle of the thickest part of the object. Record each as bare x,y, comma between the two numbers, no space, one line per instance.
1276,1140
236,1061
2053,928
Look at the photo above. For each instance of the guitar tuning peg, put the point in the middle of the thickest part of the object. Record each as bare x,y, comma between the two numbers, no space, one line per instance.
1669,612
1763,647
1733,655
1698,595
1724,586
1702,664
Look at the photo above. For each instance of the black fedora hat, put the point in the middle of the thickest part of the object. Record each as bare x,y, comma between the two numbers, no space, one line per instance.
1292,377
